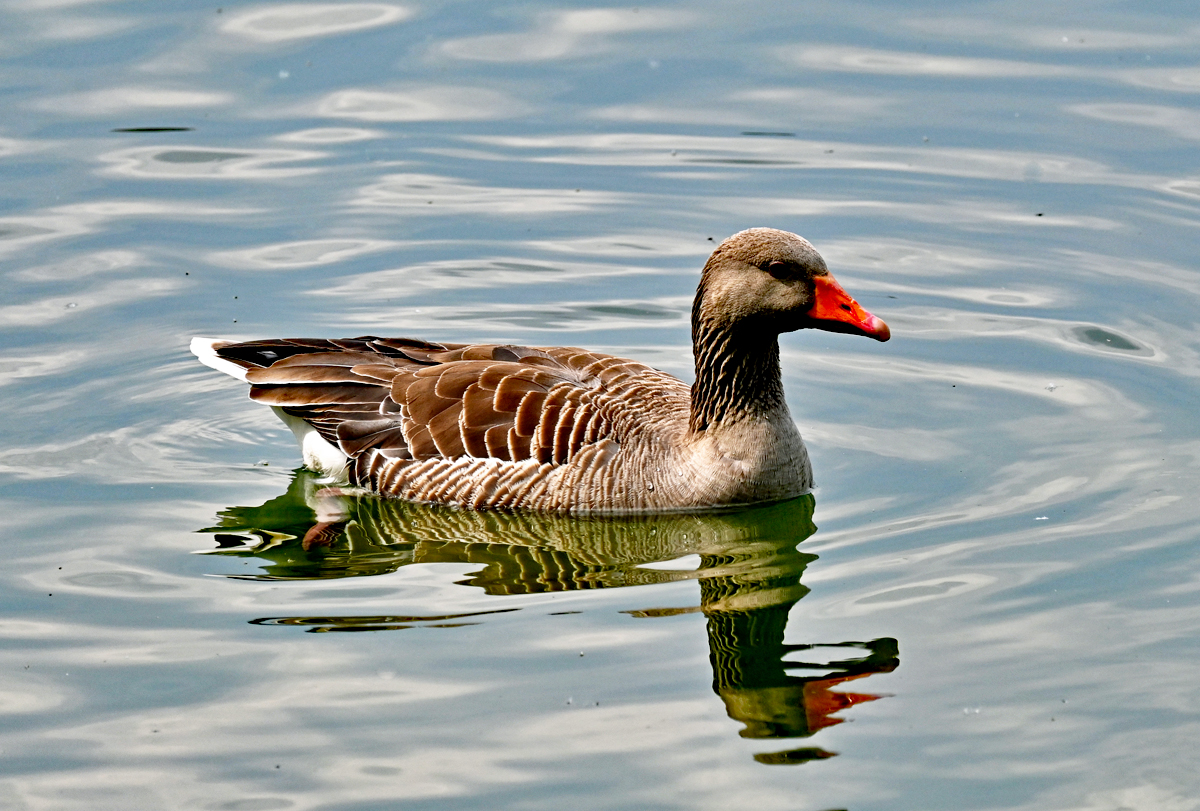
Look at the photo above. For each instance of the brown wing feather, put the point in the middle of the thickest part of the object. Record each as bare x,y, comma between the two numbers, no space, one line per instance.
444,430
356,436
420,442
519,447
510,391
416,399
529,413
381,372
313,373
304,394
496,442
422,401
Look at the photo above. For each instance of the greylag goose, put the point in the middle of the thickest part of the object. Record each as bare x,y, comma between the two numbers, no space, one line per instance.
562,429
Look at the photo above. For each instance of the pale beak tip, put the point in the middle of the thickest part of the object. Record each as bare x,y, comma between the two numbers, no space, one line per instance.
878,330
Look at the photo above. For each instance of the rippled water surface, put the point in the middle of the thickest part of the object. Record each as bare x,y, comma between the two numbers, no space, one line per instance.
999,609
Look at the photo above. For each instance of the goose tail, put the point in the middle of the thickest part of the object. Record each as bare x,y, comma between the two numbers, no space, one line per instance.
206,350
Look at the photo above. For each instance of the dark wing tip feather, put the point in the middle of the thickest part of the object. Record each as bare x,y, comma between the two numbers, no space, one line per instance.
261,353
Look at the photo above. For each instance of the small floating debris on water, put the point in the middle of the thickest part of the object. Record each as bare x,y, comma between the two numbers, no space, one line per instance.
1042,518
71,305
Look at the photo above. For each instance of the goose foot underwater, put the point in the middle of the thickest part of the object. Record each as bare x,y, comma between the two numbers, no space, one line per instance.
564,429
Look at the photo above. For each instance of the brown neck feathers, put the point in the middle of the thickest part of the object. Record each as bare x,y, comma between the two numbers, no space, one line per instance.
737,370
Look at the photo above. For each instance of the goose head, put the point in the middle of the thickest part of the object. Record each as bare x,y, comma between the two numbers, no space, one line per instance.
768,281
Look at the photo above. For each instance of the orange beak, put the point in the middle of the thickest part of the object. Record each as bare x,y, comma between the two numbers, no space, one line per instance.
834,311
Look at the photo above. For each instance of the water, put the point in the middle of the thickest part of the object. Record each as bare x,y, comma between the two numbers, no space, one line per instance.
1000,601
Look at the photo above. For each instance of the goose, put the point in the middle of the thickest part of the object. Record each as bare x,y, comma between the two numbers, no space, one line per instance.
563,429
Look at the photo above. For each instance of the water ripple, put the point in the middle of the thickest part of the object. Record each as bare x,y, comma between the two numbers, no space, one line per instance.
284,22
174,162
565,35
420,103
434,195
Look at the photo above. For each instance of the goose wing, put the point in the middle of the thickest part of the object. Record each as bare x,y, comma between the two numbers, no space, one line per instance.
414,399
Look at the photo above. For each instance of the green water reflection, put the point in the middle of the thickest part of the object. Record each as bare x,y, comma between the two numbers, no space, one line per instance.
749,573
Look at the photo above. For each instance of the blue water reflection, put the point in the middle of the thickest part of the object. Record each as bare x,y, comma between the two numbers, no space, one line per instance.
747,565
1006,487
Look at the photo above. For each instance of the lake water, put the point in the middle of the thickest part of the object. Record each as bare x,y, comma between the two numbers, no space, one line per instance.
1001,606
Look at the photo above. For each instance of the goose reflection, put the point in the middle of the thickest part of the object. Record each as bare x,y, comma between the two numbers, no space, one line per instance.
749,575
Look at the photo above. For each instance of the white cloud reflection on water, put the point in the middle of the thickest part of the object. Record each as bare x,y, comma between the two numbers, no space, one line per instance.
989,215
1185,78
16,365
1180,79
330,135
147,453
883,258
1057,39
760,107
413,281
916,444
1178,121
629,244
420,102
54,22
78,267
34,229
112,100
285,22
781,154
904,63
1072,336
14,146
220,163
505,319
434,195
301,254
567,35
50,309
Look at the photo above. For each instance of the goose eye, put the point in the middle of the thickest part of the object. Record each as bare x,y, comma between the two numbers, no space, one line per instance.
777,269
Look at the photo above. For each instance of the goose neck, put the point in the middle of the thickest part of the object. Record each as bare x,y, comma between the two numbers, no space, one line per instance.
737,374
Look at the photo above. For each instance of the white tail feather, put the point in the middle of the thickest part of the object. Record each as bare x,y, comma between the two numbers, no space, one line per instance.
206,350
